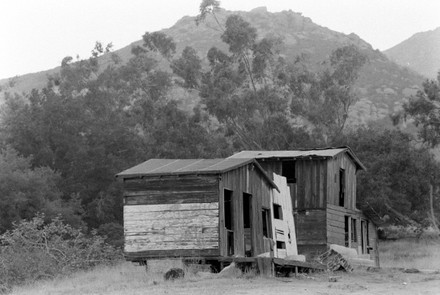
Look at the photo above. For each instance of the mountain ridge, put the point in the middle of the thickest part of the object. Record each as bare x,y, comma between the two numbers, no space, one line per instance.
420,52
382,86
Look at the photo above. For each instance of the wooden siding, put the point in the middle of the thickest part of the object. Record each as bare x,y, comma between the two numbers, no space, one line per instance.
311,227
171,227
310,184
171,214
248,180
171,190
341,161
336,230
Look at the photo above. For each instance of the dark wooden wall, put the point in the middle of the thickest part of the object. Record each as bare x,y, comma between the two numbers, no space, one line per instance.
311,183
334,165
311,233
171,216
248,180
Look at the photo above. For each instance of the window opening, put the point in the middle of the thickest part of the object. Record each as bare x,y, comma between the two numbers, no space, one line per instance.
342,187
277,212
266,223
288,171
229,221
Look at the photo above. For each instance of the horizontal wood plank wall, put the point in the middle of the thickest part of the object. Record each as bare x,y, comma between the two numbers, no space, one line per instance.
342,161
311,179
171,214
171,190
171,227
311,227
336,225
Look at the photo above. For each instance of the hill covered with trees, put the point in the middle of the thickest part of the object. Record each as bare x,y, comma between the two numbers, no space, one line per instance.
61,145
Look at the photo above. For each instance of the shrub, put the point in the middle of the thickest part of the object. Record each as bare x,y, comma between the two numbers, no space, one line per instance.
34,250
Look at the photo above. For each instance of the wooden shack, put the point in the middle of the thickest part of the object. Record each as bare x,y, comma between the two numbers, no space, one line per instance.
204,208
322,185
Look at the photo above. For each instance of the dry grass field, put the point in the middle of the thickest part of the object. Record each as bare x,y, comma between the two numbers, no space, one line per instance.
127,278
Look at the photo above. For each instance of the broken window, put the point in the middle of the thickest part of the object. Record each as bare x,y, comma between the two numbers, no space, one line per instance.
229,221
266,223
288,171
353,231
342,187
277,212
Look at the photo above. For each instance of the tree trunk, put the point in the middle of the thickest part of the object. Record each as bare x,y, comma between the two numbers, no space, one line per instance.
431,205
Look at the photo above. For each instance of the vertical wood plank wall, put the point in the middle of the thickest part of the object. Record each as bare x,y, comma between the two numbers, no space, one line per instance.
341,161
171,215
249,180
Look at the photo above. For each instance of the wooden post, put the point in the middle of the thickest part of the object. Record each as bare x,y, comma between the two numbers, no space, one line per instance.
265,266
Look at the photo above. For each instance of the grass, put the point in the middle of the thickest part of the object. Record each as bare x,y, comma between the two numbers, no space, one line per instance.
410,253
128,278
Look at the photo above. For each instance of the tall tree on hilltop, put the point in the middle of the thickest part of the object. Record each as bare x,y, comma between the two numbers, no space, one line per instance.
424,109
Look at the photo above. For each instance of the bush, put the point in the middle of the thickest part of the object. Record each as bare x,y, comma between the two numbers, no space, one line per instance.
34,250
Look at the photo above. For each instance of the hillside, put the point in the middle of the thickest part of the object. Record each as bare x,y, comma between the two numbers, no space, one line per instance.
421,53
382,85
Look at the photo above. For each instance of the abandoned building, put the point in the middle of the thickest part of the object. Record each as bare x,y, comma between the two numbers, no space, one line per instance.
204,208
282,204
322,186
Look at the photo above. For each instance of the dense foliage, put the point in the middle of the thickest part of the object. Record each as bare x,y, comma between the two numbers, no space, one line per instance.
36,249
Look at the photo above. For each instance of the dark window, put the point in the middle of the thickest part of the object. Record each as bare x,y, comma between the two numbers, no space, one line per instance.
229,221
247,210
281,245
266,223
289,171
228,210
342,187
277,212
353,231
347,225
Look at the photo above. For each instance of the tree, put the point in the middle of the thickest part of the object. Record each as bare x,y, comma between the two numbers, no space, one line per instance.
188,67
398,175
327,100
25,191
424,109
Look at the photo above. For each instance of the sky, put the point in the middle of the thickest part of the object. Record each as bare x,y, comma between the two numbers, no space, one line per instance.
35,35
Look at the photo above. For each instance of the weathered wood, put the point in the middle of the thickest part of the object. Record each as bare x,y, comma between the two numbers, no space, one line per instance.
293,263
150,254
173,226
170,182
136,217
169,207
174,197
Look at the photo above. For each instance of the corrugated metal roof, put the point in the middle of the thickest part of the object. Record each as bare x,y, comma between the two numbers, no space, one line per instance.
183,166
287,154
319,153
161,167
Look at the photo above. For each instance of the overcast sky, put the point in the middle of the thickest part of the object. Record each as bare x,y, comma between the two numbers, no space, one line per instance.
37,34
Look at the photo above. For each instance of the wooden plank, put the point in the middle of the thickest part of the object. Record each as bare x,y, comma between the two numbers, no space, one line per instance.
135,217
336,216
172,198
284,262
136,246
142,255
335,223
169,207
170,181
204,226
